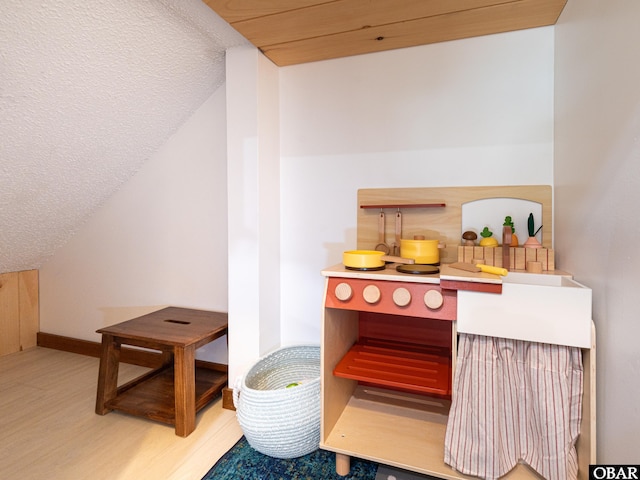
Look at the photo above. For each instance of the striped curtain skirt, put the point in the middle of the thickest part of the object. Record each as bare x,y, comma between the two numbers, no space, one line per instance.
514,401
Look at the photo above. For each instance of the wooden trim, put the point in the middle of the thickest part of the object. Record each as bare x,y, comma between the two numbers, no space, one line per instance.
227,399
19,312
143,358
471,286
67,344
29,307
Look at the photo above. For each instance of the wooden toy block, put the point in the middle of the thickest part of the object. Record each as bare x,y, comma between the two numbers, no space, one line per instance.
518,256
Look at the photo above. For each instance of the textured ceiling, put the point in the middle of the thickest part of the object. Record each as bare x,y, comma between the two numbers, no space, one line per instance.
89,90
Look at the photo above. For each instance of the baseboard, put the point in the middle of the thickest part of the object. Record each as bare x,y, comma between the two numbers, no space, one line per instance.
67,344
143,358
227,399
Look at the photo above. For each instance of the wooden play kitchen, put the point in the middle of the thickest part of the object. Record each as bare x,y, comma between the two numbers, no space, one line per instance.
389,339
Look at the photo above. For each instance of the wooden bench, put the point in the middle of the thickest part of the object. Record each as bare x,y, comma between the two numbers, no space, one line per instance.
176,391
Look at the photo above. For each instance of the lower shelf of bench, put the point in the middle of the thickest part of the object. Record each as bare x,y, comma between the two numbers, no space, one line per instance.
153,395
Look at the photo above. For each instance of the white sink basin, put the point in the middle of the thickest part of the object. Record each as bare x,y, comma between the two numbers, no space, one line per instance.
541,279
535,307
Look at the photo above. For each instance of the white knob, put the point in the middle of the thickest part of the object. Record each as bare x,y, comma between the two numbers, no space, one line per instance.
433,299
401,297
371,294
343,291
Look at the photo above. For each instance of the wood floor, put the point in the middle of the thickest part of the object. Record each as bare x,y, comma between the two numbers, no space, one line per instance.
48,428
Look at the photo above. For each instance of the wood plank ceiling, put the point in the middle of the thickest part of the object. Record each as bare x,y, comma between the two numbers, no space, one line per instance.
290,32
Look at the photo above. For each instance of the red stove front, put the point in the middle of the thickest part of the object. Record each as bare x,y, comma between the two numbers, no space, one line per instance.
405,333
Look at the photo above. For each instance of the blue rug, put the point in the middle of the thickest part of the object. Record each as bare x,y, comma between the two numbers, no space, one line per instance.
242,462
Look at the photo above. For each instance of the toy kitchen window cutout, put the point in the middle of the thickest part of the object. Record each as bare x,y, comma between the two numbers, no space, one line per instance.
491,212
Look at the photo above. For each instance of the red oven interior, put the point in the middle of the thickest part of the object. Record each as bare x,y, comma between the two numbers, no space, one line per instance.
404,348
401,353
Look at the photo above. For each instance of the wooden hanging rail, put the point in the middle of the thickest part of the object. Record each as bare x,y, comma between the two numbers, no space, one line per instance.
408,205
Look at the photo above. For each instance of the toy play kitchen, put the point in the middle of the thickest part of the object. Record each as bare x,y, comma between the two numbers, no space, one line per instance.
435,353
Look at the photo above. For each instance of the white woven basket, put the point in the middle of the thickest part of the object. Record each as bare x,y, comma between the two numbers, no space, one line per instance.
278,421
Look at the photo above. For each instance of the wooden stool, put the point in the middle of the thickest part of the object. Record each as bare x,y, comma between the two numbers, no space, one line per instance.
182,386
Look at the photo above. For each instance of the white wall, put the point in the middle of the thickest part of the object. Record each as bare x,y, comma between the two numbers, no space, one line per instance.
161,240
254,207
597,193
470,112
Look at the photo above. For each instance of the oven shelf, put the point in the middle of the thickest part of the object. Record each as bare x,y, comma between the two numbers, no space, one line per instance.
398,365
